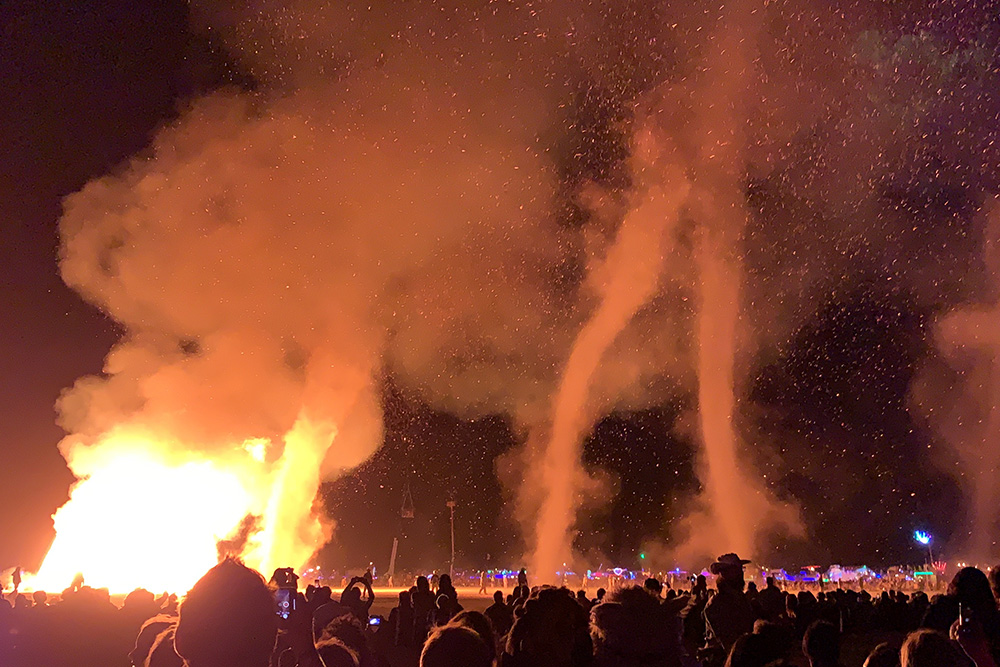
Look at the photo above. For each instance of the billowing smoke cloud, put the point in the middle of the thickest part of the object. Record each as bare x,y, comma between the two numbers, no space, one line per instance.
473,198
257,259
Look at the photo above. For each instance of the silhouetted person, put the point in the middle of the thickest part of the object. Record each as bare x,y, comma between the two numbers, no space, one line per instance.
444,610
500,615
349,630
883,655
423,607
147,635
455,646
728,615
771,600
550,631
351,598
821,645
749,651
227,619
334,653
969,590
478,623
445,587
929,648
401,620
631,627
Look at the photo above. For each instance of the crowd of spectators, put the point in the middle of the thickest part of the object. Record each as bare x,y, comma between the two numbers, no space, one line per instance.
230,618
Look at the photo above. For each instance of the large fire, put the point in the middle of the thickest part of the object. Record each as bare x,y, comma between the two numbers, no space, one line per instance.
144,516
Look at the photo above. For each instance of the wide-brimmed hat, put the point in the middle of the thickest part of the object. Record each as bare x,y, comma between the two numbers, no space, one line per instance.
725,562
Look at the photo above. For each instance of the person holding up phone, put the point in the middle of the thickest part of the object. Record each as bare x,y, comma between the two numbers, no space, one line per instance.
295,619
351,598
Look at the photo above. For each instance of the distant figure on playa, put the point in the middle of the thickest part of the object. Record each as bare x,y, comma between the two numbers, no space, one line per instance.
482,582
17,579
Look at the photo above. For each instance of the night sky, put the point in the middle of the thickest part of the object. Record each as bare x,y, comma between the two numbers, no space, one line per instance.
84,86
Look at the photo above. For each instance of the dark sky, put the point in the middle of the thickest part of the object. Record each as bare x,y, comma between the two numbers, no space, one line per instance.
83,85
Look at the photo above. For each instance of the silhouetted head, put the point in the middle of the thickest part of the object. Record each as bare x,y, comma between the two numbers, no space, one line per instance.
334,653
227,619
404,598
551,630
729,569
478,623
139,598
351,596
770,581
444,581
821,644
498,597
928,648
972,588
778,638
883,655
653,586
40,598
455,646
749,651
600,594
422,584
631,627
148,633
348,630
320,596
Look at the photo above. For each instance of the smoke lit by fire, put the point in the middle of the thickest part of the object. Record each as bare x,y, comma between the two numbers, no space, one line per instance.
538,212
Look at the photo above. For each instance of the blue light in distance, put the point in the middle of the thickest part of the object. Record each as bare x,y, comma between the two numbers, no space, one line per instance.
922,537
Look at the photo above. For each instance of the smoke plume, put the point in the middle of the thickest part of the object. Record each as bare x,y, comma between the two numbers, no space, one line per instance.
625,281
550,212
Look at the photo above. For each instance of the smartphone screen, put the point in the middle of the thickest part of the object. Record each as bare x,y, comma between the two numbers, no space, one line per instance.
285,599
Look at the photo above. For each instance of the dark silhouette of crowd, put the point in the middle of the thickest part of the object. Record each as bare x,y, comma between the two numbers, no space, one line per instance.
230,619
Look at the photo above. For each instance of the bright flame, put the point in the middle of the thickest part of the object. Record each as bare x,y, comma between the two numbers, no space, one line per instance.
257,448
140,521
145,516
